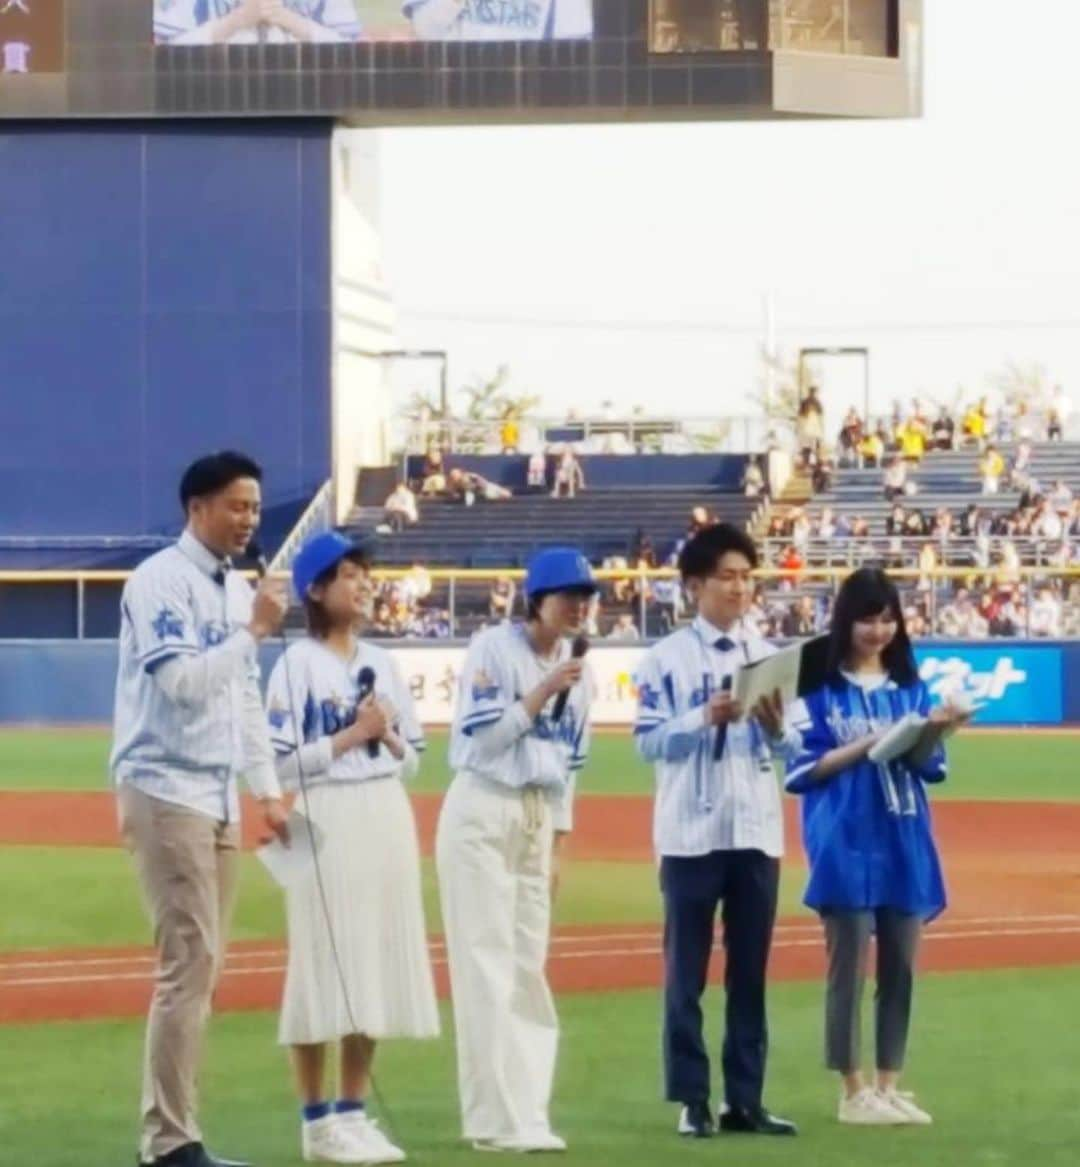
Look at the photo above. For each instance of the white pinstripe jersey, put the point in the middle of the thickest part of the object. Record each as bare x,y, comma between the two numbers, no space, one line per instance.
184,21
501,668
704,804
172,607
313,696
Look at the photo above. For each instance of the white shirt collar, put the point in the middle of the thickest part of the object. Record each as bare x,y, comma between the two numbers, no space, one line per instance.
711,634
201,555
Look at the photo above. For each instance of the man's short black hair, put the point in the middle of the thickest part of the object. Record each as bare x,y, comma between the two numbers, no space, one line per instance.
209,475
703,551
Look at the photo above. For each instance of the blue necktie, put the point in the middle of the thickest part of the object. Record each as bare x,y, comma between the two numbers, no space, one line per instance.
724,644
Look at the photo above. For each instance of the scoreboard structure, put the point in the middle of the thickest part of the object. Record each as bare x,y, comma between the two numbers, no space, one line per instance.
394,62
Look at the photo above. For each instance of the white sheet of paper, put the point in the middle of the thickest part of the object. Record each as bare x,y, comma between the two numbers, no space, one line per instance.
903,735
292,864
762,678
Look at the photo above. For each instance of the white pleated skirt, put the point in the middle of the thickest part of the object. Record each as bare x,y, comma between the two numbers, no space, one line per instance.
370,863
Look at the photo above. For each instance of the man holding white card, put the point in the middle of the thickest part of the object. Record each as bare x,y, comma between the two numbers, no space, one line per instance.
718,830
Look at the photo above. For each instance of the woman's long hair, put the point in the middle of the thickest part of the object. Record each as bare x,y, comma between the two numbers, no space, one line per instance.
865,593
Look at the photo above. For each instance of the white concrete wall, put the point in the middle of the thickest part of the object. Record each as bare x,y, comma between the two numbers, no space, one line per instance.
365,319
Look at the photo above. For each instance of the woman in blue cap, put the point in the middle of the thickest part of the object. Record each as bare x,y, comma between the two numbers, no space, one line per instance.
345,732
520,733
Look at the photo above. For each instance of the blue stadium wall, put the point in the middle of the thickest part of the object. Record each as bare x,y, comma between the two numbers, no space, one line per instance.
165,291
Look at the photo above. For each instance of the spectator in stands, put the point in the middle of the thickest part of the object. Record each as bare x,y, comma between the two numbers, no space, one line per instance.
510,433
778,527
416,586
433,479
1009,569
400,507
810,425
961,619
667,595
791,560
860,527
821,473
1003,614
943,526
894,521
1057,414
915,524
826,527
975,424
991,468
624,628
871,450
753,482
800,619
851,434
943,434
968,520
536,474
927,564
1020,467
382,623
800,530
915,621
894,478
1073,526
1061,497
569,475
912,438
501,599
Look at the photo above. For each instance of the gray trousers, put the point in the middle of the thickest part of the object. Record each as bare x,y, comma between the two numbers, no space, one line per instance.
847,940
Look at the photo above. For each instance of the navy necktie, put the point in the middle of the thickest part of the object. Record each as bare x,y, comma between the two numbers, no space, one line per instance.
724,644
223,570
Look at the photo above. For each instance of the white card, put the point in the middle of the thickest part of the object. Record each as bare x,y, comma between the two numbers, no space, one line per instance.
293,864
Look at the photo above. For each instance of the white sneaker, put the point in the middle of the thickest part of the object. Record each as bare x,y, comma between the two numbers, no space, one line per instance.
324,1140
868,1108
904,1102
532,1143
366,1135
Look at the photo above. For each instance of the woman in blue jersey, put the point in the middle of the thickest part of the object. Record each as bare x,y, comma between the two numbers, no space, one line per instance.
345,732
874,867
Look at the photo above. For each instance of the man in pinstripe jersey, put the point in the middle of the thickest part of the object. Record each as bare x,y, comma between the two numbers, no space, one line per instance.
718,829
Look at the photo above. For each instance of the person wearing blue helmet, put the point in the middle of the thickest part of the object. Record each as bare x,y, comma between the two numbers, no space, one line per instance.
519,736
346,736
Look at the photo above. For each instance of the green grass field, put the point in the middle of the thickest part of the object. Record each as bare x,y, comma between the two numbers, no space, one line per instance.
1021,765
989,1057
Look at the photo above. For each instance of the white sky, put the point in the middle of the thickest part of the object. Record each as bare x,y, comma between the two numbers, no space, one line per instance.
631,262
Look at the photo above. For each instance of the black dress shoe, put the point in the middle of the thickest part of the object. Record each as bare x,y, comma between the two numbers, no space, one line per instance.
192,1155
754,1121
696,1121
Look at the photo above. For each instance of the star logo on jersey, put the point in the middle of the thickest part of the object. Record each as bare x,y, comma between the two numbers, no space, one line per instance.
168,625
213,633
483,687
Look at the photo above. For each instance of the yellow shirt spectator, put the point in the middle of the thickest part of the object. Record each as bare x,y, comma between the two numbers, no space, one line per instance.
975,422
871,447
510,435
912,442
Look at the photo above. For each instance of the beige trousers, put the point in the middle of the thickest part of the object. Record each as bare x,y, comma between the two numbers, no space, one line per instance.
186,864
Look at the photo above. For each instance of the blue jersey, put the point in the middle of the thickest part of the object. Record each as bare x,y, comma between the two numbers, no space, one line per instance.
867,830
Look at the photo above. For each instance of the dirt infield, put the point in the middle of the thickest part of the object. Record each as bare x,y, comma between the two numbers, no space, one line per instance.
50,986
1013,873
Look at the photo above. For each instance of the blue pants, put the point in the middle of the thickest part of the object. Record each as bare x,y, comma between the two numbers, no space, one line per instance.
746,883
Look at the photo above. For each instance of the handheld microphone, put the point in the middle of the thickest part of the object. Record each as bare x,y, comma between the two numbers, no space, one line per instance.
365,686
256,554
577,650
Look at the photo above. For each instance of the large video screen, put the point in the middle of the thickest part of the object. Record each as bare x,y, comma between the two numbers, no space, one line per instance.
251,22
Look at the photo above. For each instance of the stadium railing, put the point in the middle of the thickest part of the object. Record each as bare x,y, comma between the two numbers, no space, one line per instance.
459,598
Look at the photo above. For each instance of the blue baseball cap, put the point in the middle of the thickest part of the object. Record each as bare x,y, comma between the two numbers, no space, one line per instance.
319,554
559,569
